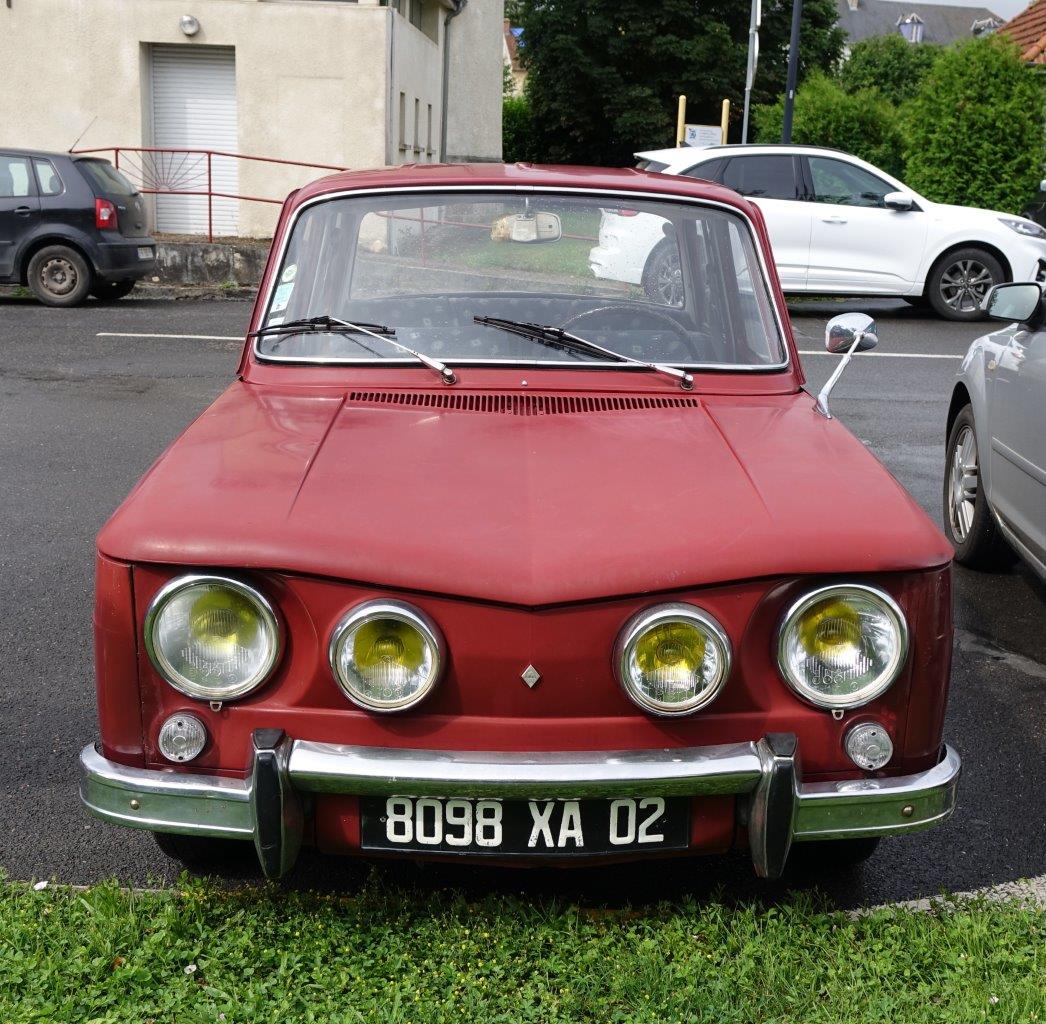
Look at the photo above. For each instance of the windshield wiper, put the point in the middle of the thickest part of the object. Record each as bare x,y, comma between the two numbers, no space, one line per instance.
317,323
334,325
556,337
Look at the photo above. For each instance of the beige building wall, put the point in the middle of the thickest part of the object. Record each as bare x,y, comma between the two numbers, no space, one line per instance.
474,83
316,80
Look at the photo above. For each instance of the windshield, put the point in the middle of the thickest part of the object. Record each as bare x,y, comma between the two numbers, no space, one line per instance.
667,282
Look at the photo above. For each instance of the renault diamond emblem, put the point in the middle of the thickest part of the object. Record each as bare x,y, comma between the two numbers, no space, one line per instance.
531,676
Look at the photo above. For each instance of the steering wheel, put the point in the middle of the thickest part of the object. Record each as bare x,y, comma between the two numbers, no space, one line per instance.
627,310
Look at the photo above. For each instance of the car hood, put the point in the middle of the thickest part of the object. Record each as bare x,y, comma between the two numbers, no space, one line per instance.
949,212
480,497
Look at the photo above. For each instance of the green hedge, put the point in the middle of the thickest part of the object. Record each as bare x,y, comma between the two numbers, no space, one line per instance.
860,122
974,131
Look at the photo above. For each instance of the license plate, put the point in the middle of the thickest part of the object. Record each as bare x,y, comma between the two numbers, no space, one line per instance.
145,252
524,827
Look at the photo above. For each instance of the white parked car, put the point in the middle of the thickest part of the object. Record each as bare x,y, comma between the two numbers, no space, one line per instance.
838,226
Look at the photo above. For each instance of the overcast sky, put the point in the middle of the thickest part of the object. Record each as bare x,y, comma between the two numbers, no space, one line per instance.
1004,8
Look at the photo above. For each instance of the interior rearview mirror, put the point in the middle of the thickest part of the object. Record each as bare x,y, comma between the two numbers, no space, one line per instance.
898,201
1018,302
524,227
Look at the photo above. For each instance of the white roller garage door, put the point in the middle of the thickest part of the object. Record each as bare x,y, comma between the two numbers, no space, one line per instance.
194,107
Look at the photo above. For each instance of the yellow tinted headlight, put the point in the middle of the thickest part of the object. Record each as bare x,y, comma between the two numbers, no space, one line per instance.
212,638
841,647
673,659
386,655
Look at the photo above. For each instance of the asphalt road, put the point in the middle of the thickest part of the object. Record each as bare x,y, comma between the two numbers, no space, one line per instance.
82,416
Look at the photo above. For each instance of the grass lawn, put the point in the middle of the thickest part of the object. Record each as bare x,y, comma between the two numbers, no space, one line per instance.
198,953
474,250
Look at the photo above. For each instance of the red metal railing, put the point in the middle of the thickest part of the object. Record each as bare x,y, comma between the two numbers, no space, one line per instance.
187,172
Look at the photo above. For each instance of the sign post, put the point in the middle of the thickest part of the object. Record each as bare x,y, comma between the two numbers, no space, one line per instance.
753,61
681,122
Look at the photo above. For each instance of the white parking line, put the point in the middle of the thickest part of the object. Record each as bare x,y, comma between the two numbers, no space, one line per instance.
883,355
237,337
189,337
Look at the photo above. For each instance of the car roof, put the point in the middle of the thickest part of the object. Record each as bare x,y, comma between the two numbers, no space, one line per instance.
521,176
47,154
697,154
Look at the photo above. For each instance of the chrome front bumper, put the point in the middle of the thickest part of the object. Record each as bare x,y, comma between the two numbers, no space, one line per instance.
266,807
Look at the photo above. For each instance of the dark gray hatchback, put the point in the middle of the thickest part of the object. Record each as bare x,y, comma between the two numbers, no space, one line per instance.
70,226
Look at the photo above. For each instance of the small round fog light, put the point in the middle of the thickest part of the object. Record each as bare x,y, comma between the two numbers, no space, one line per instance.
182,737
869,746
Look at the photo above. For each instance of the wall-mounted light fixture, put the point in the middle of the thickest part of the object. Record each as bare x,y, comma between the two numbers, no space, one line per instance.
189,24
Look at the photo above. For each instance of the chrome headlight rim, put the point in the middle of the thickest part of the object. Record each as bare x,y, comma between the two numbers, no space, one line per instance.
207,693
870,693
641,623
400,611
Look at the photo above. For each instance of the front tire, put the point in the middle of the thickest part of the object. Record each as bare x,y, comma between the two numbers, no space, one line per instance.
59,276
202,855
110,291
968,519
959,281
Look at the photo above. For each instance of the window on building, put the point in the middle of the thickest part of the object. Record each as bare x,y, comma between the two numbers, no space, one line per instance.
417,125
911,27
846,185
14,177
403,122
47,178
428,134
762,177
422,14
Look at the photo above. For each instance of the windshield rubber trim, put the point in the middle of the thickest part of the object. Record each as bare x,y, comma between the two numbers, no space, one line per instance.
530,364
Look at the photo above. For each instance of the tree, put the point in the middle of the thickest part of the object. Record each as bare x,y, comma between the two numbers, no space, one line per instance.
518,141
604,77
890,65
862,122
974,131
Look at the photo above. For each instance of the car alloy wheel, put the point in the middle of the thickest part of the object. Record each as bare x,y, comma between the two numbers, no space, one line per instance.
963,479
964,285
663,276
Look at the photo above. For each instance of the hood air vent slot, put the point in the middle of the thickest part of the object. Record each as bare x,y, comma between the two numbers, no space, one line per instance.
520,405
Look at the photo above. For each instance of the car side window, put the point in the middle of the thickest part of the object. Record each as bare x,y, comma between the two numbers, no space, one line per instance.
709,170
14,177
845,184
47,178
761,177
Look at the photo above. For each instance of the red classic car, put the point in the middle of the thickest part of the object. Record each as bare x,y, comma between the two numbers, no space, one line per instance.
482,555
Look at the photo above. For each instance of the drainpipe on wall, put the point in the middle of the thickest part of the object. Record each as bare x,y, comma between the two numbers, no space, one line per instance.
459,6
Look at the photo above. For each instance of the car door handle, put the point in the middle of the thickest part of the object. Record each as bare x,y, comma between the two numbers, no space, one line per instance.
834,220
23,211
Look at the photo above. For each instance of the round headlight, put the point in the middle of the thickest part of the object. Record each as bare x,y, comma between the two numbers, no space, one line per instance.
841,647
673,659
386,655
212,638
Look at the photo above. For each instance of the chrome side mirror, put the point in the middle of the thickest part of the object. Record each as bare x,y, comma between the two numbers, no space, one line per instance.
898,201
845,334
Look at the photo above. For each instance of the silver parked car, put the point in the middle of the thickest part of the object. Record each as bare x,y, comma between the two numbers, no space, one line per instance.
995,468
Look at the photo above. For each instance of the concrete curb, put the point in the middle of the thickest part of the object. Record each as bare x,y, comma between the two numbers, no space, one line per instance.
1029,891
